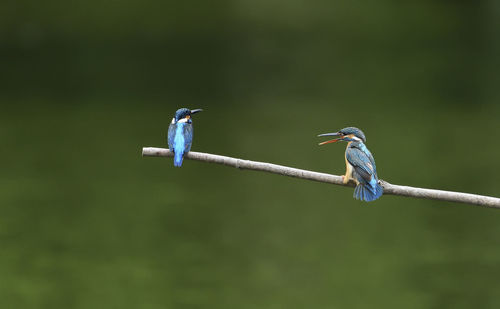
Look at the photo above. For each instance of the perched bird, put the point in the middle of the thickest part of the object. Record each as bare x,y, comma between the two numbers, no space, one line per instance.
180,133
360,165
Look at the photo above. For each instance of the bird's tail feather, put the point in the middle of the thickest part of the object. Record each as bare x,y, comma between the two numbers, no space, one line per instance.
178,157
367,193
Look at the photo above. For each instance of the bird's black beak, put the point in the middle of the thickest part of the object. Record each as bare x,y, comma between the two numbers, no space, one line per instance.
194,111
332,140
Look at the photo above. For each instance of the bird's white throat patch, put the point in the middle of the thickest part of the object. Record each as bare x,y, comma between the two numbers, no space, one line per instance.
183,120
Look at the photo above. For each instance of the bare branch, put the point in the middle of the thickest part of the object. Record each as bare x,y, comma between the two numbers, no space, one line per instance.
450,196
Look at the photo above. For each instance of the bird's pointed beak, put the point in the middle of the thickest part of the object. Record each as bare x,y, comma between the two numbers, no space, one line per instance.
332,140
194,111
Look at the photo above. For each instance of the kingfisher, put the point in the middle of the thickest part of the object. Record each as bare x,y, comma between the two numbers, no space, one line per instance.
360,165
180,133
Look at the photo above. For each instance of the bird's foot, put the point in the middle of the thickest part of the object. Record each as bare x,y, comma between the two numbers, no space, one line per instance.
345,180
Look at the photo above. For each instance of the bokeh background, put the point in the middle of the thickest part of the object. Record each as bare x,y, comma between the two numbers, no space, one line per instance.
86,222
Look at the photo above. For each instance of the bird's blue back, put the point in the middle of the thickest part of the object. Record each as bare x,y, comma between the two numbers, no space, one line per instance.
365,172
180,138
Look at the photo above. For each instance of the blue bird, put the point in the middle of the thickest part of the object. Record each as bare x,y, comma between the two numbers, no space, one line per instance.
360,165
180,134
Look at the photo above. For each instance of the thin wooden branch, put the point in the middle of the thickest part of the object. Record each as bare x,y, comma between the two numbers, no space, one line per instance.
459,197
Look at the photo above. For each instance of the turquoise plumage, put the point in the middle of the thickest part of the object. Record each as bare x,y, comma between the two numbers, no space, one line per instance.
180,134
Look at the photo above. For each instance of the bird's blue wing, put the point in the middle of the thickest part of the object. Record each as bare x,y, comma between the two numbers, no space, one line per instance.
362,161
171,136
188,136
364,172
367,152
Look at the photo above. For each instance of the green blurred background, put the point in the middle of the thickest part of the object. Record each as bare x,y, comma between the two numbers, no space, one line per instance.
86,222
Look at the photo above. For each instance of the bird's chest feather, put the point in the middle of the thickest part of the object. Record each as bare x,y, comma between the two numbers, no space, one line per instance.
349,168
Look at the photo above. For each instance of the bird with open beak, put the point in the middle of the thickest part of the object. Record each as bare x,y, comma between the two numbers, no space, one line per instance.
360,165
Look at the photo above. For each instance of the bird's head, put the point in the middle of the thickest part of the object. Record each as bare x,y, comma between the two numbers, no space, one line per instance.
349,134
184,115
